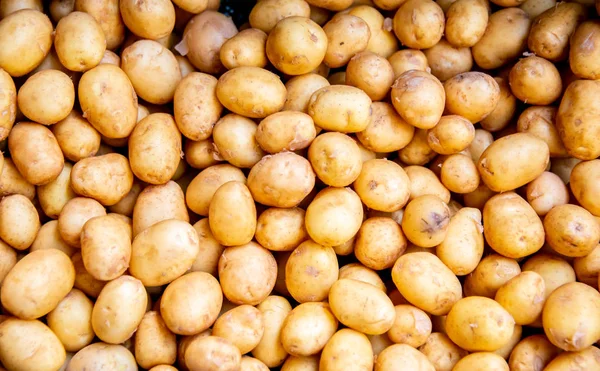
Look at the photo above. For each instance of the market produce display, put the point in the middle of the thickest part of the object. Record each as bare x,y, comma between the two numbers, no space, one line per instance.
299,185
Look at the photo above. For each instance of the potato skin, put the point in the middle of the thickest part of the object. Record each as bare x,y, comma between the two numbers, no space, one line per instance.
71,321
487,360
347,35
154,21
76,137
583,55
243,326
247,48
195,105
234,139
425,221
403,354
540,121
106,178
419,98
212,353
300,89
265,14
270,350
203,187
412,326
79,41
156,203
286,131
96,234
523,297
442,352
232,206
360,72
571,230
482,95
535,80
46,97
316,316
108,15
586,359
19,221
346,349
8,104
154,343
466,21
341,108
463,246
419,24
530,352
387,131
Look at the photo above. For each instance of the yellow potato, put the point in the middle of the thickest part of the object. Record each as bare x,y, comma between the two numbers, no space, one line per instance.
8,104
76,137
586,359
100,356
307,329
405,355
106,178
10,6
157,203
336,159
201,154
540,121
442,352
571,230
473,95
505,110
293,363
408,59
419,98
108,15
202,188
84,281
419,24
154,343
153,21
492,273
482,361
459,174
447,61
425,221
19,221
300,89
523,297
587,267
12,182
210,251
347,349
270,350
424,182
310,271
110,57
466,21
232,206
583,184
247,48
372,73
379,243
235,141
583,52
285,131
281,229
265,14
8,259
242,325
412,326
383,185
359,272
347,35
79,41
71,321
535,80
212,353
342,108
46,97
387,131
463,246
532,352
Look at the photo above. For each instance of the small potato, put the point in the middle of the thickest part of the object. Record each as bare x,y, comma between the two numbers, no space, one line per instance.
586,359
74,215
285,131
383,185
8,104
153,70
482,361
372,73
47,97
452,134
540,121
247,273
203,187
334,216
235,139
71,321
347,349
408,59
26,39
482,140
425,221
318,319
265,14
311,363
535,80
79,41
379,243
419,98
100,356
342,108
270,350
583,54
459,174
583,185
108,15
76,137
555,271
492,273
359,272
513,161
212,353
479,324
505,38
110,57
19,221
587,267
537,7
251,91
442,352
347,35
8,259
12,182
37,283
424,182
242,325
252,364
466,21
571,230
447,61
310,271
201,154
531,353
210,250
158,203
405,355
17,336
107,178
479,197
10,6
108,101
503,114
193,6
473,95
412,326
336,159
154,343
153,21
463,246
98,233
281,229
232,206
565,310
419,24
35,153
247,48
416,275
523,297
195,105
387,131
300,89
84,281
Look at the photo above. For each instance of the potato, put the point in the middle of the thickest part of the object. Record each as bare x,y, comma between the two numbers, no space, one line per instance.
19,221
387,131
505,38
509,162
37,283
359,272
281,229
540,121
571,230
300,89
419,24
447,61
408,59
459,174
314,316
586,268
96,234
270,350
564,311
154,343
153,21
110,57
482,361
210,250
383,185
523,297
46,97
412,326
108,15
535,80
416,275
84,281
23,51
201,154
247,48
202,188
76,137
108,101
8,104
425,221
583,53
473,95
424,182
531,353
492,273
212,353
582,183
555,271
347,349
242,325
379,243
371,73
285,131
99,356
232,206
12,182
235,140
8,259
452,134
479,197
293,363
342,108
251,92
17,336
442,352
462,248
79,41
419,98
336,159
466,21
402,354
482,140
502,115
106,178
310,271
265,14
163,368
158,203
10,6
585,359
71,321
347,35
536,7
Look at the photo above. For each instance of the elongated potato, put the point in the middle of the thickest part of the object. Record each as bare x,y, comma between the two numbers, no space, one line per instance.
54,195
108,15
195,105
523,297
270,350
71,321
466,21
232,206
19,221
492,273
203,187
79,41
107,178
97,233
314,316
584,51
156,203
310,271
462,248
342,108
347,35
154,343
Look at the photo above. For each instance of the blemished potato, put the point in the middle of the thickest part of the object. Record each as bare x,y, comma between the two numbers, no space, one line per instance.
459,174
586,359
511,226
317,319
153,70
359,272
523,297
17,337
564,311
452,134
587,267
251,91
387,131
383,185
472,95
281,229
71,321
466,21
412,326
281,180
505,38
513,161
482,361
195,105
583,52
419,24
442,352
153,21
532,352
341,108
447,61
107,178
311,363
502,115
155,344
285,131
334,216
156,203
405,355
76,137
347,349
492,272
10,6
379,243
79,41
310,271
540,121
35,152
108,15
47,97
19,221
232,214
372,73
424,182
247,48
270,350
335,158
108,101
300,89
463,246
571,230
419,98
247,273
242,325
26,40
101,356
110,57
265,14
155,148
8,259
201,154
536,81
203,187
425,221
479,324
98,233
408,59
346,35
416,275
583,184
235,139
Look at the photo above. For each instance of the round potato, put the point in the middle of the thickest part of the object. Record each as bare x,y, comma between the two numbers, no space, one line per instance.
347,349
473,95
482,360
212,353
402,354
235,140
71,321
108,15
310,271
412,326
408,59
300,89
281,229
242,325
466,21
425,221
79,41
583,53
232,206
419,98
76,137
419,24
492,273
532,352
452,134
383,185
47,97
346,36
106,178
442,352
540,121
265,14
270,350
586,359
424,182
203,187
359,272
154,343
285,131
535,80
207,259
340,108
372,73
19,221
158,203
463,246
583,184
571,230
523,297
336,159
447,61
459,174
314,316
387,131
247,48
153,21
379,243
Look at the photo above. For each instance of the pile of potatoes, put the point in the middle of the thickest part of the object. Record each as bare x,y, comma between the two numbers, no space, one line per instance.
334,185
